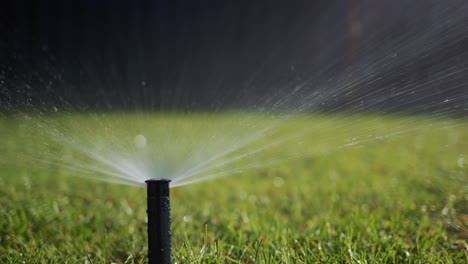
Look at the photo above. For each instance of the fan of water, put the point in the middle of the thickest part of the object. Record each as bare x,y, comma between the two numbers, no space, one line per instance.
331,77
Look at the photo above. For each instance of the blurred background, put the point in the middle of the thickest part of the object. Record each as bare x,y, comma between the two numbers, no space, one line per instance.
366,55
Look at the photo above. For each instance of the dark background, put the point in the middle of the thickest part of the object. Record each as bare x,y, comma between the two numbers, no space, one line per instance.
210,54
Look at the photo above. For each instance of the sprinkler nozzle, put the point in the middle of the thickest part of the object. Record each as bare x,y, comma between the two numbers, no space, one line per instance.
159,222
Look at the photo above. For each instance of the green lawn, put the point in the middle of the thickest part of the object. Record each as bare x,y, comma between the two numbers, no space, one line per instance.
399,198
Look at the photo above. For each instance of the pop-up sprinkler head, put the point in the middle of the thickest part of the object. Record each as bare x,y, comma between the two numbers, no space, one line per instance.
159,222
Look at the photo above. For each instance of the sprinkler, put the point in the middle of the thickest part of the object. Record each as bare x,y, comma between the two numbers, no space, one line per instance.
159,222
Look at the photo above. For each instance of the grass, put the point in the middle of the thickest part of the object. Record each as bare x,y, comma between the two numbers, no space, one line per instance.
398,200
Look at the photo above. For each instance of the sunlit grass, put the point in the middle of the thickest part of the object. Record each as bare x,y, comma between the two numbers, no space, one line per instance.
395,199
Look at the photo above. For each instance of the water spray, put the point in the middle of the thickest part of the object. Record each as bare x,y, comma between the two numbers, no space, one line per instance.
159,222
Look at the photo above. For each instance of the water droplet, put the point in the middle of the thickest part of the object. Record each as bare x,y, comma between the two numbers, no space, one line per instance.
140,141
445,211
278,181
452,197
461,161
129,211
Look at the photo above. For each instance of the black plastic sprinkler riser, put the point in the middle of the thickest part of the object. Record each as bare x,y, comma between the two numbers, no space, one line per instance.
159,222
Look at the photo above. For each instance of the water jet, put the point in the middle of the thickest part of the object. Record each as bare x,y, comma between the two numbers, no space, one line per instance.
159,221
